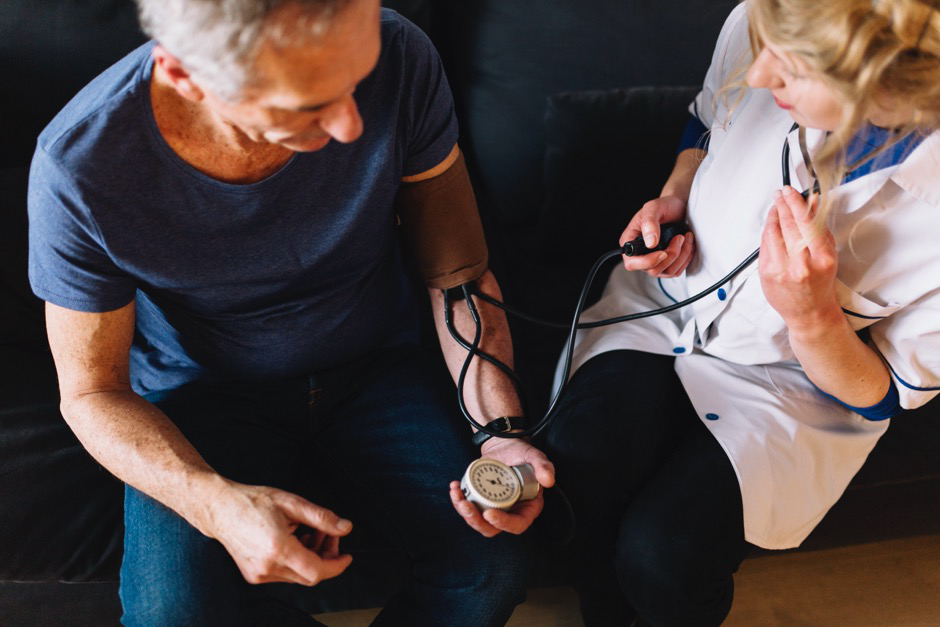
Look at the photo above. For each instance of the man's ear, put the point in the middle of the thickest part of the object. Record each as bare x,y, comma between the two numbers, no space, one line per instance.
176,74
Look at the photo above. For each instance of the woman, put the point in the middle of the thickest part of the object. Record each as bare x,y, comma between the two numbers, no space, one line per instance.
686,437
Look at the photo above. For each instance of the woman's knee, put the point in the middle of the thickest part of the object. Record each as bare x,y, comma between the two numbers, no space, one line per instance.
671,580
617,413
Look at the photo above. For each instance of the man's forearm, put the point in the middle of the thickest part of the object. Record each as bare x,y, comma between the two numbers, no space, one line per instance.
489,393
134,440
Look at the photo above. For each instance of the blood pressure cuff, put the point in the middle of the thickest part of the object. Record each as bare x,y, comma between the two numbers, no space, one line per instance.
441,227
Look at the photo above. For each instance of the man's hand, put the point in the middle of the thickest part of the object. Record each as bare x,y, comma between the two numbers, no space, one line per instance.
511,451
661,263
256,525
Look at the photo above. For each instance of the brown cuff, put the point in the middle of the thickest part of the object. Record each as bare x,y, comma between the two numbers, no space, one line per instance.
441,227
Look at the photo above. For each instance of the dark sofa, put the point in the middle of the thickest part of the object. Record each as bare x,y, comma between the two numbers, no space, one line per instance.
557,169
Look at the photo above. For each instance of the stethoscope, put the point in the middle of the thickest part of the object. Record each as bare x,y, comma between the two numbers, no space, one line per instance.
472,347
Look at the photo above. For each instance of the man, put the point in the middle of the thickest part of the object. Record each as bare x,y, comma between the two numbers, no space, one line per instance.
213,227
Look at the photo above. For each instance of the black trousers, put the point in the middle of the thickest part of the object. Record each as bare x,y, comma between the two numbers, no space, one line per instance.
659,529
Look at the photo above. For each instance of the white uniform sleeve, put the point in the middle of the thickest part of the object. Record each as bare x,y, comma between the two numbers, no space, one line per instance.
732,56
909,340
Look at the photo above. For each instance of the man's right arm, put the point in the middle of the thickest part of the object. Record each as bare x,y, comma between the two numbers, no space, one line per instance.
125,433
137,442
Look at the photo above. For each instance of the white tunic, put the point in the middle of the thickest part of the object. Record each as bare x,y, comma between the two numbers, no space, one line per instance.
793,449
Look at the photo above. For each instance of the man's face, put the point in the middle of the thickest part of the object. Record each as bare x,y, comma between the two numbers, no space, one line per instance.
302,95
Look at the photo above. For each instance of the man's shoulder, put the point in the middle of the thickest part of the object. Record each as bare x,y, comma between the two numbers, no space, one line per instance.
108,101
394,22
402,36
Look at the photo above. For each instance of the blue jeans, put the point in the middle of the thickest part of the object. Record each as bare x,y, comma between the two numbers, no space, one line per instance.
383,432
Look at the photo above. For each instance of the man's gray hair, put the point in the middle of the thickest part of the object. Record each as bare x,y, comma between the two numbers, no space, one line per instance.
217,41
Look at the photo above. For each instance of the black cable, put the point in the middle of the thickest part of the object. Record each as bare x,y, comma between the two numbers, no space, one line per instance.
471,351
636,316
473,348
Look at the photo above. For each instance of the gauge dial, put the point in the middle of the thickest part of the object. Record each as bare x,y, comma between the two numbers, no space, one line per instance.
491,484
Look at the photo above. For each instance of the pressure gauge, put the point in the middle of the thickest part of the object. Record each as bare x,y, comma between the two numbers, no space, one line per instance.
491,484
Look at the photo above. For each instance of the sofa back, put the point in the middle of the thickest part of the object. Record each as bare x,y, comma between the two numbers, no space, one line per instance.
50,50
505,58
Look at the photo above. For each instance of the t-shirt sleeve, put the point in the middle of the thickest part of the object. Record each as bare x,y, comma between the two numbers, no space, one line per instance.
909,341
69,266
731,57
431,124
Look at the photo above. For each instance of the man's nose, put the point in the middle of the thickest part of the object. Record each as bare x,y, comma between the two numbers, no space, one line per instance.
343,123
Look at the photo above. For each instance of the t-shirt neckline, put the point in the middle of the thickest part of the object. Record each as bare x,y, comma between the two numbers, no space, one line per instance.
170,155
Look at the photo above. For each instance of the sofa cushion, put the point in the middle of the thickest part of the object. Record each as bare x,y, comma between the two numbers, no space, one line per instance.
50,604
607,153
62,513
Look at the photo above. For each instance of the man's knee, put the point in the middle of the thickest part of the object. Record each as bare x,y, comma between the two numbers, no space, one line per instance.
171,573
500,564
166,595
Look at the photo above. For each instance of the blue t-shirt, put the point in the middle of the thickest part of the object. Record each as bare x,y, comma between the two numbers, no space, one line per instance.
282,277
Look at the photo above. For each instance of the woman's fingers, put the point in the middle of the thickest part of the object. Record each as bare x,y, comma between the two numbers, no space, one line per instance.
646,222
673,251
790,231
650,229
681,262
773,250
812,235
645,263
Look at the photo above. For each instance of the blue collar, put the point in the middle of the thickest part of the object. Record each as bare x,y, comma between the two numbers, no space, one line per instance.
870,138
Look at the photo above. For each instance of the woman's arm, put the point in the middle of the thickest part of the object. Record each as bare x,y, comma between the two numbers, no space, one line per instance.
679,183
669,207
798,263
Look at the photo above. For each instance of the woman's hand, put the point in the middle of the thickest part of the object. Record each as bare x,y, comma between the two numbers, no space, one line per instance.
662,263
798,262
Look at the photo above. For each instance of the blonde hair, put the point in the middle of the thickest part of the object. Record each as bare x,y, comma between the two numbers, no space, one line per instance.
871,52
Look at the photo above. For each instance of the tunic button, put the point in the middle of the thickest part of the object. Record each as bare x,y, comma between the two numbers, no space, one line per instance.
722,294
678,350
711,416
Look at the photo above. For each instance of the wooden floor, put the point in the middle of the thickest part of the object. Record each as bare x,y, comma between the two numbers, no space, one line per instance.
888,584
